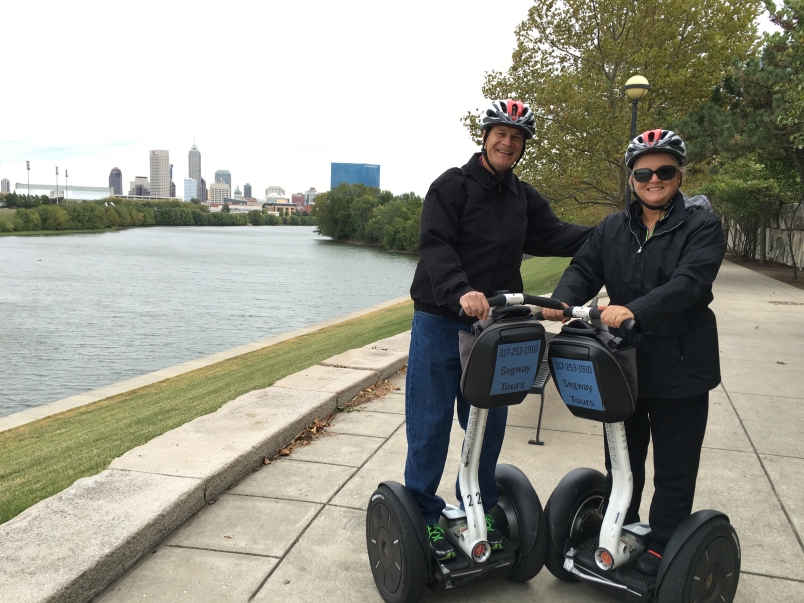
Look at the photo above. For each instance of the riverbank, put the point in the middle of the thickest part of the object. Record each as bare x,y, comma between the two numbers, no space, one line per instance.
46,456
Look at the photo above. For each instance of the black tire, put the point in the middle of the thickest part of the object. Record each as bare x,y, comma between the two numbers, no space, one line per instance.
516,497
706,568
398,563
576,504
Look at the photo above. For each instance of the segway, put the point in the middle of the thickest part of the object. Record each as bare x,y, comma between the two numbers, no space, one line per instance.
500,359
596,379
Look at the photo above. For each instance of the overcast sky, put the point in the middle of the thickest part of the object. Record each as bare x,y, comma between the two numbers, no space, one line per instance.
272,91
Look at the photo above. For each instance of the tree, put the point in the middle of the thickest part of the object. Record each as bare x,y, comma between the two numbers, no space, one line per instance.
572,60
256,218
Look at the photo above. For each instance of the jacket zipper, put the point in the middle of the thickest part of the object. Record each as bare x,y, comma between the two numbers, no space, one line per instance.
641,245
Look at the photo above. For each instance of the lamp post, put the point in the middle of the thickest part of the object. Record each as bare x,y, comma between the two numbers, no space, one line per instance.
57,185
635,88
28,167
66,187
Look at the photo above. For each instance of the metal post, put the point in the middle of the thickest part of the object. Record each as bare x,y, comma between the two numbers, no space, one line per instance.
57,185
28,167
66,187
630,138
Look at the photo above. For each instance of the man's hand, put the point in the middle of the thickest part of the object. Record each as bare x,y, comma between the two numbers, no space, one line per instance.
474,303
551,314
614,316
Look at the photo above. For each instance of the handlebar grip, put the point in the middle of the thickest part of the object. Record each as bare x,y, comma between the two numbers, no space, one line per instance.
544,302
496,300
628,325
538,316
594,313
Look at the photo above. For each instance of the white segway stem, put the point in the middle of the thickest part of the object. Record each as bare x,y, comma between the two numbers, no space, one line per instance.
472,540
612,551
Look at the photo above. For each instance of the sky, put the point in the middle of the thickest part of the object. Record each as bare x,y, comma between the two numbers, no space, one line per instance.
272,91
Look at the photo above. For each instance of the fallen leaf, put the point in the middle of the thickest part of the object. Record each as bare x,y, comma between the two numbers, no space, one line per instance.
266,460
227,536
779,362
283,452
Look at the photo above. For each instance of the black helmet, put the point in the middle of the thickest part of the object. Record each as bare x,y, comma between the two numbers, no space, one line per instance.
656,141
509,112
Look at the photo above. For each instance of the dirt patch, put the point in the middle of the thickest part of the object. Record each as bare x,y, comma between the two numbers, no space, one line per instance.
775,270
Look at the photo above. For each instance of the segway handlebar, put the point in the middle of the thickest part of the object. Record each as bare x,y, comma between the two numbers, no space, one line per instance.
594,313
516,299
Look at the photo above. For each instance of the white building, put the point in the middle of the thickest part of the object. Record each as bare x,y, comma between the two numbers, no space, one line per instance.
309,196
160,174
5,185
218,191
237,194
277,190
191,189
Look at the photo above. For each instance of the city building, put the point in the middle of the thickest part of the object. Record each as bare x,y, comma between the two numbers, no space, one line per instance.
116,181
172,189
190,189
204,193
298,200
247,190
194,157
160,174
74,192
218,191
238,194
311,194
139,187
5,185
224,176
274,190
355,173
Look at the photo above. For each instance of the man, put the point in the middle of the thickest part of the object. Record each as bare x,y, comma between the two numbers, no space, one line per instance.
476,223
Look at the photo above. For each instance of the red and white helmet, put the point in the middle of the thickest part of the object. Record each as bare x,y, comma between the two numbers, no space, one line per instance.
656,141
509,112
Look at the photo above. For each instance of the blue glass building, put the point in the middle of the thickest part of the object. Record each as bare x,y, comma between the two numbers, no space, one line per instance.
355,173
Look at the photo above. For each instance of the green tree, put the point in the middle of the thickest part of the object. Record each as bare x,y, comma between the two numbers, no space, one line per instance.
225,209
27,220
256,218
53,217
572,60
112,219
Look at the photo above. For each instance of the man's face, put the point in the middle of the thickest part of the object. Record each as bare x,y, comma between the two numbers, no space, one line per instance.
504,145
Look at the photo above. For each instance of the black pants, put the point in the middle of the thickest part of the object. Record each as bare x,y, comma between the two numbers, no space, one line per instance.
677,428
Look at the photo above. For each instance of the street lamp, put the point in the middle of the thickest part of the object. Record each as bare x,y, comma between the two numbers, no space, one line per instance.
66,187
635,88
28,167
57,185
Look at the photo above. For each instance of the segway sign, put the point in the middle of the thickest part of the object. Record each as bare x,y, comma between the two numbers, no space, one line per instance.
577,383
515,369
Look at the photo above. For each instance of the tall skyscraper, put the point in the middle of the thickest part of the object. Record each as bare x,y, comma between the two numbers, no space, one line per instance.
204,197
160,174
226,177
195,170
247,190
5,185
116,181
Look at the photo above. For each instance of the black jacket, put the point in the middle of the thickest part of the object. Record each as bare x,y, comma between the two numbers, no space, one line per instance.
473,232
666,282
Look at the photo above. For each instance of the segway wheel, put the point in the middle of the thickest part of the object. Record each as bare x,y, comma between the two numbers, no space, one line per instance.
574,509
523,515
706,568
397,560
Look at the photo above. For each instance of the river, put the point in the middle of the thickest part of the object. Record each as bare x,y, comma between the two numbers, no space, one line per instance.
78,312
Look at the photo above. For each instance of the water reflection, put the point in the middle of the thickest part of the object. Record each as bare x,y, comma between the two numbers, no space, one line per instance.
82,311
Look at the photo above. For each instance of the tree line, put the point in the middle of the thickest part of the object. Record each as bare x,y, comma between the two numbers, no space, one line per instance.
35,213
355,212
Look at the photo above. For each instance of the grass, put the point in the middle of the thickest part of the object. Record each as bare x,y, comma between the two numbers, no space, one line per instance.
42,458
7,212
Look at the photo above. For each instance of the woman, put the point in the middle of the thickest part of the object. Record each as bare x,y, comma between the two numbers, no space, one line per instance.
658,260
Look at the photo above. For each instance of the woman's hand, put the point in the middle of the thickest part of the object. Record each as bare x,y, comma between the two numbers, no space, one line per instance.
475,303
550,314
614,316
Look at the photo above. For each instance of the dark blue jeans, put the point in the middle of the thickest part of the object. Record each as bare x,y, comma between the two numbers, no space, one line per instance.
432,386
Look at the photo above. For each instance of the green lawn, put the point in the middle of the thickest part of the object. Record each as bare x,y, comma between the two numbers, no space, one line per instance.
7,212
44,457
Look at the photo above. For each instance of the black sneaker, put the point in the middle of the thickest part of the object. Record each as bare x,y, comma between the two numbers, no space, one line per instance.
441,547
494,538
649,563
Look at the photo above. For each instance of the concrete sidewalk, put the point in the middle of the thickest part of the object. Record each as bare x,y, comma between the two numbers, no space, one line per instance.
294,531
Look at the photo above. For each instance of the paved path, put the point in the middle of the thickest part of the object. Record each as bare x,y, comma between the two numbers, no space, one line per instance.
294,531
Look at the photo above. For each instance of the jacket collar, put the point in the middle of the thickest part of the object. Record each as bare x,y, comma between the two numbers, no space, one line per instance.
677,214
485,178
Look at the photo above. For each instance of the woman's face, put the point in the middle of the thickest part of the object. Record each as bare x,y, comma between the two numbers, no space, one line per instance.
656,191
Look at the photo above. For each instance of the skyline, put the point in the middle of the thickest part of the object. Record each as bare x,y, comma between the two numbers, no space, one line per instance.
352,82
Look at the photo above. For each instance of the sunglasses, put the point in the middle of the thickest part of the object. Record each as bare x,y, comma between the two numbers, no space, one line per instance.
666,172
